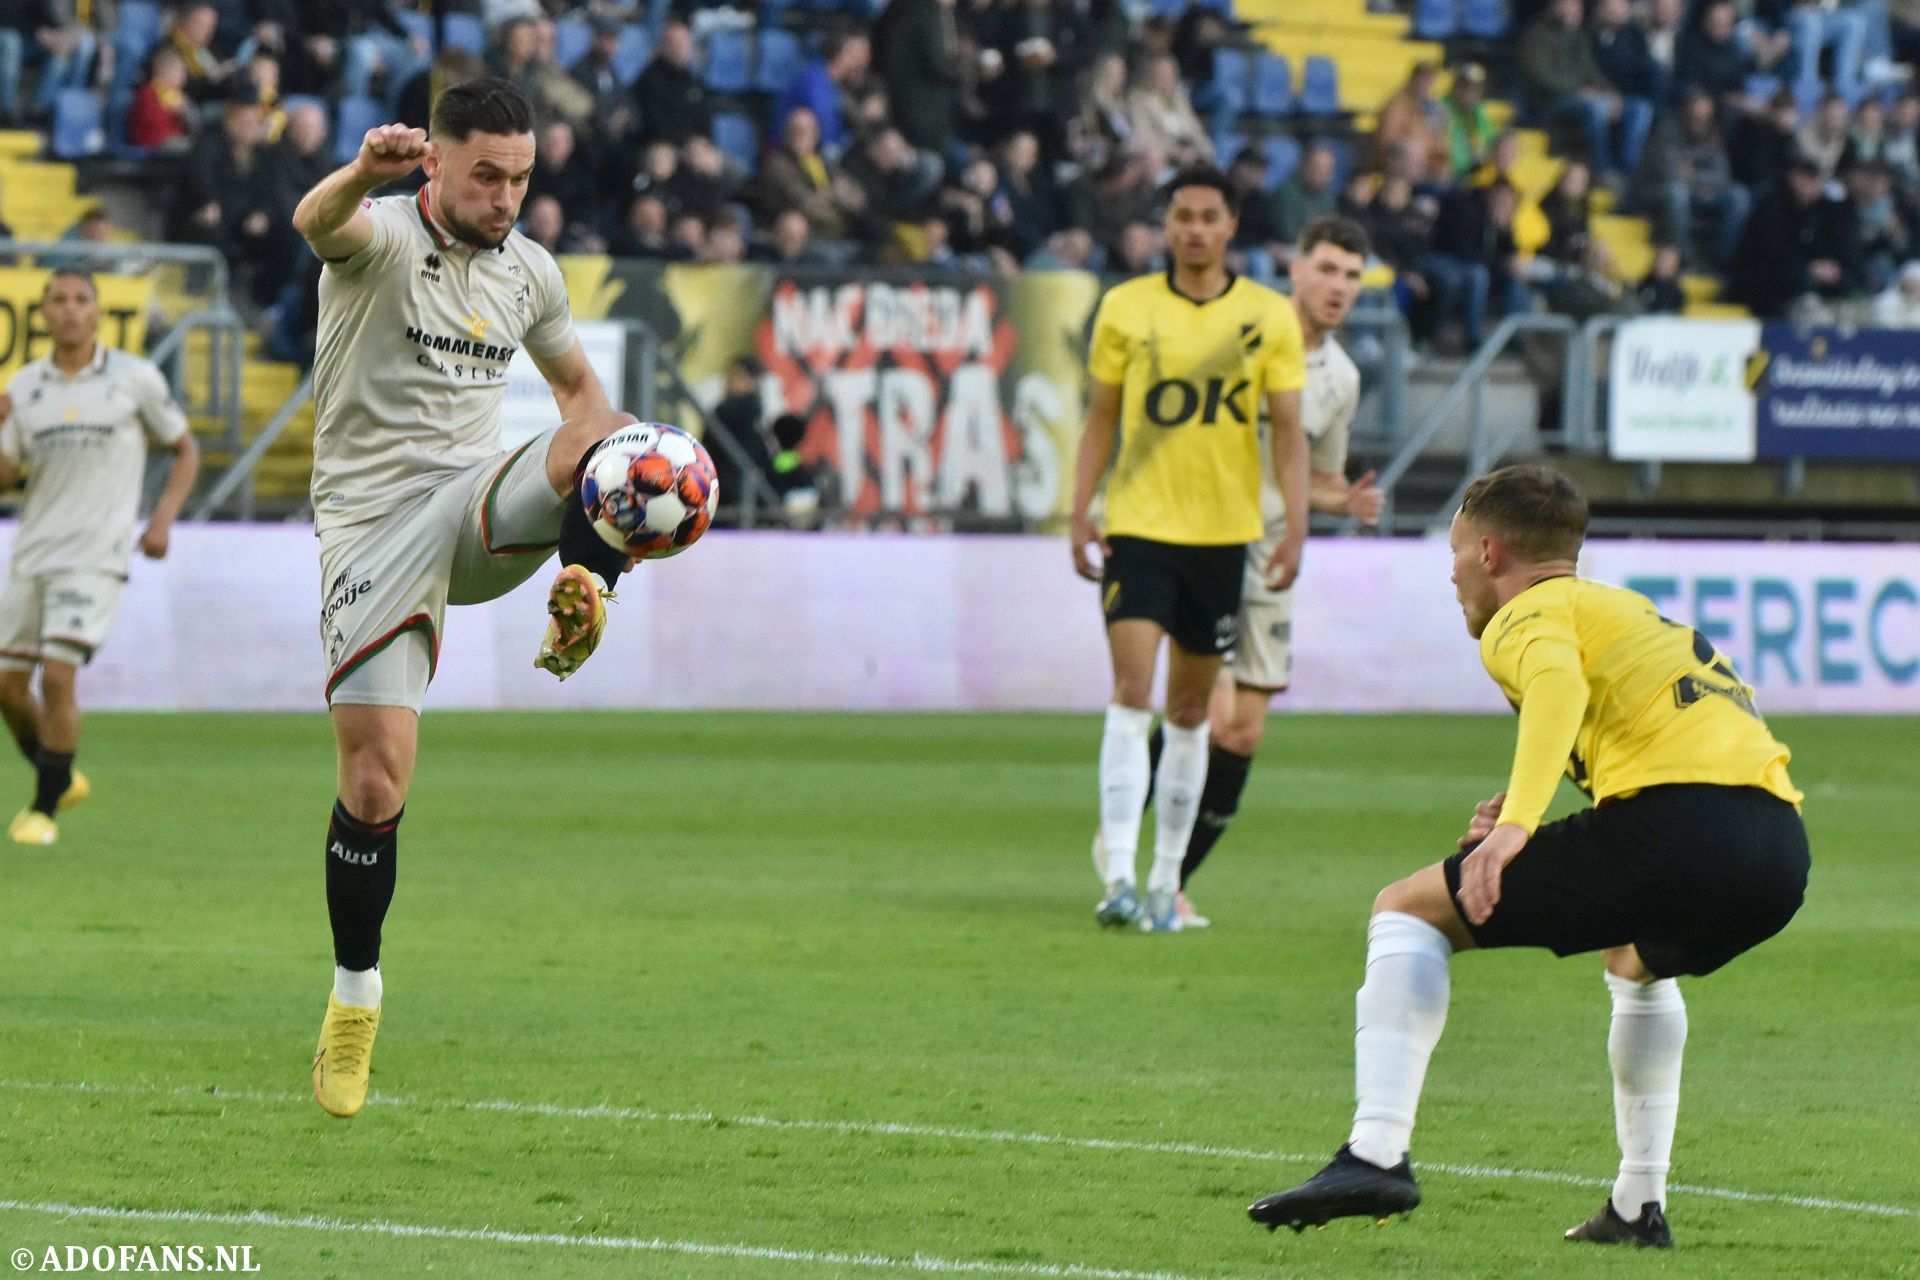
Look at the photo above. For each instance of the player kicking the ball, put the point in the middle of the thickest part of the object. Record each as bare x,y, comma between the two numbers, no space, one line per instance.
79,418
1692,854
423,302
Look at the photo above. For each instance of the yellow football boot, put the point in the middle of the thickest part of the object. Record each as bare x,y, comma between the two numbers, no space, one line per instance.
30,826
579,618
77,790
344,1058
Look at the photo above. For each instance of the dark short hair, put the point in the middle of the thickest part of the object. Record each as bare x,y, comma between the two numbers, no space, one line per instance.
789,429
72,273
1537,511
1341,233
486,105
1202,175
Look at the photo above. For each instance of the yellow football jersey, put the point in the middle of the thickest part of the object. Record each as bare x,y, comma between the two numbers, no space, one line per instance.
1193,377
1621,698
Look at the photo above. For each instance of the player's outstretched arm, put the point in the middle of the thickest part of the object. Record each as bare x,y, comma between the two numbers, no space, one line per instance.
330,216
1096,450
1290,468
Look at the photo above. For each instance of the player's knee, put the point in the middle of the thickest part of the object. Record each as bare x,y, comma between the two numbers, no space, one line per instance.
1133,691
372,786
1239,735
1186,713
1406,897
56,683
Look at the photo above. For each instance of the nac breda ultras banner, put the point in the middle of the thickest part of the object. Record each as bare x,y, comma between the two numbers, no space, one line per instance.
925,394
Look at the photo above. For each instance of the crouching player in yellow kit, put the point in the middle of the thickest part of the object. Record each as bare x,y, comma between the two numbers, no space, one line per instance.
1180,363
1692,854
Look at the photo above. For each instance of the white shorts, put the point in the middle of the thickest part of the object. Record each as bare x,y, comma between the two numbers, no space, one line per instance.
387,582
1262,656
61,616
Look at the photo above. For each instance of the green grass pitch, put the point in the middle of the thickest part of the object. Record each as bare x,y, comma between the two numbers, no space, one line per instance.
802,996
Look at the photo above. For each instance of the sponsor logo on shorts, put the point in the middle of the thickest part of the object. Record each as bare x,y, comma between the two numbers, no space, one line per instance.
343,592
1281,631
1224,632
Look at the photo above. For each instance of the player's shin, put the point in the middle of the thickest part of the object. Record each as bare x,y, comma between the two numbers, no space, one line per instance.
579,544
1645,1045
1219,801
360,878
1124,778
1399,1015
1177,785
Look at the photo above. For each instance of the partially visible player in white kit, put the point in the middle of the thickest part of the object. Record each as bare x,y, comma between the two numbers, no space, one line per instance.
423,302
1326,281
77,420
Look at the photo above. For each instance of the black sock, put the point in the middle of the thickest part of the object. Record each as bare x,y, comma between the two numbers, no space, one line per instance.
1219,801
360,860
1156,743
29,744
56,775
579,544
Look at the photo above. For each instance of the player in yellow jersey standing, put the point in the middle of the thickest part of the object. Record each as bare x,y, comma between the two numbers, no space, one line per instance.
1180,365
1693,853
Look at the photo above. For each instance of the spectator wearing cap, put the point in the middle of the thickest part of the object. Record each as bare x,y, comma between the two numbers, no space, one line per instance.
162,116
1898,305
1564,83
1410,114
668,98
1799,245
1470,131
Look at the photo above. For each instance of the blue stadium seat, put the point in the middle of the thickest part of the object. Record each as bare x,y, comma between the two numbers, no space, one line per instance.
1225,96
1760,88
130,49
571,36
356,116
1485,19
1272,85
1342,160
1166,8
1320,87
738,140
631,55
729,62
776,61
78,125
1283,157
1227,142
1436,19
140,19
416,23
464,31
119,103
293,100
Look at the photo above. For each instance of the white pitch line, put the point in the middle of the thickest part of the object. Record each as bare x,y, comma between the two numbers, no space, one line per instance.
919,1262
886,1129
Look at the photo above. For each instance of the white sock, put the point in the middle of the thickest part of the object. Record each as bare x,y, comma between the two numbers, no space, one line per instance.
1123,786
1645,1043
1176,801
1399,1014
357,988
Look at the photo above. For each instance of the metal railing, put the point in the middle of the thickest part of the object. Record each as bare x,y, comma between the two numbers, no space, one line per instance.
239,473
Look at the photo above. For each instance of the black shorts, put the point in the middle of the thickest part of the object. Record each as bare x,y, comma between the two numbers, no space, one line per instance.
1192,592
1692,875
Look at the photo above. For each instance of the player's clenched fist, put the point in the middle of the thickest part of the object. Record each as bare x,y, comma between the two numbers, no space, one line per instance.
391,151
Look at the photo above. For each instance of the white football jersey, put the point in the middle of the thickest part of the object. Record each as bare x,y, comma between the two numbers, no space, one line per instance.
416,331
1327,406
83,439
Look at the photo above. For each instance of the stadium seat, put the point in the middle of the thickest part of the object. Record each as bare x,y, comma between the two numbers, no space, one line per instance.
293,100
1166,8
119,103
776,61
1342,160
571,37
1760,88
1227,142
356,116
140,19
77,125
1283,157
1225,96
737,139
1320,87
464,31
1436,19
1485,19
729,66
1272,85
631,55
416,23
130,49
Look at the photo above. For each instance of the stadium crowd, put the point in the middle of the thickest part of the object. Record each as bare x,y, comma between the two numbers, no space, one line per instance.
1775,144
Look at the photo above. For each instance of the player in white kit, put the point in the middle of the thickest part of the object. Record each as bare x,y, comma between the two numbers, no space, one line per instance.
77,421
423,302
1326,281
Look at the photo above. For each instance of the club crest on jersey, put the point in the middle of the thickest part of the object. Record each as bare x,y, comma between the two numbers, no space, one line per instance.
476,326
1250,337
430,269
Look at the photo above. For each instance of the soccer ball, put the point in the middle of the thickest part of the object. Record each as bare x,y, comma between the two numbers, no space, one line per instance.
650,490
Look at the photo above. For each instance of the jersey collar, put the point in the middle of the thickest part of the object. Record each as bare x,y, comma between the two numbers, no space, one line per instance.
93,366
443,239
1173,288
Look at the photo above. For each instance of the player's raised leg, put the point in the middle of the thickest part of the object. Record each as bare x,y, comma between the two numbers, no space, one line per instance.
1132,644
1644,1045
1179,779
576,604
1399,1014
375,747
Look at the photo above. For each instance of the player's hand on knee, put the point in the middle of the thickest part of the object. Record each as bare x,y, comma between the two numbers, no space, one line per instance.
1486,815
391,151
1083,534
1480,874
